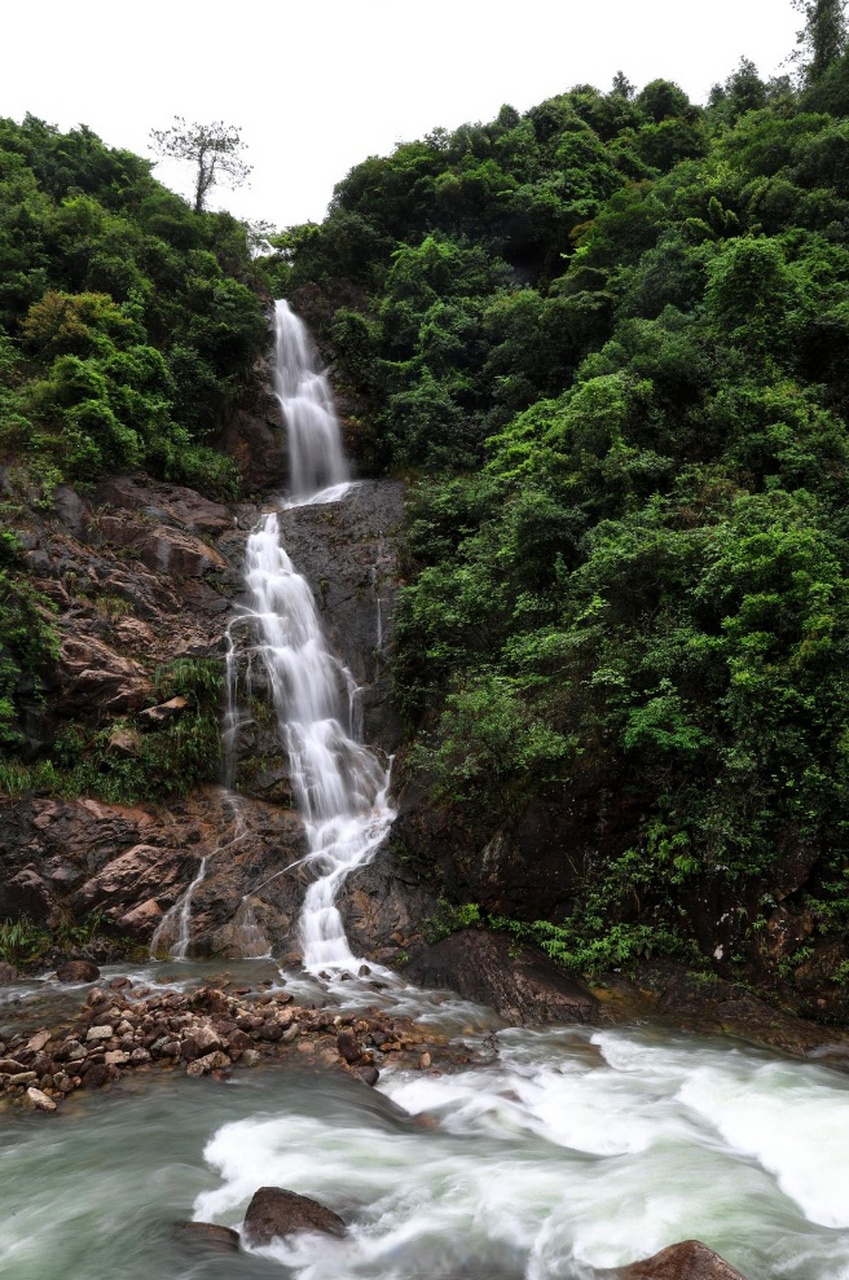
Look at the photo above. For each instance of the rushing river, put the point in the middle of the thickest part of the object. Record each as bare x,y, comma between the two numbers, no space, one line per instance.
572,1149
562,1151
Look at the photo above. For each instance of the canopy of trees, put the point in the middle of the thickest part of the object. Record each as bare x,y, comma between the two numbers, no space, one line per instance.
127,322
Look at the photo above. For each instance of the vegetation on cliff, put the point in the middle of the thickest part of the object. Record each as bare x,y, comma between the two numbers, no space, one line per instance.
128,322
610,338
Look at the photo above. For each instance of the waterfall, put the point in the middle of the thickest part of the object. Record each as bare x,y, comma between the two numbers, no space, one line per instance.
316,460
340,786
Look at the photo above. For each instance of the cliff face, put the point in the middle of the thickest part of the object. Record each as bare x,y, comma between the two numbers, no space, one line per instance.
141,574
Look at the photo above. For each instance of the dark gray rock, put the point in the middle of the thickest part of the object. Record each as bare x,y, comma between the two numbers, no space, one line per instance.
208,1237
523,986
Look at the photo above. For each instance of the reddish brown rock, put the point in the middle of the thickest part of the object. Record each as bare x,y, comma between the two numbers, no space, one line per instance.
78,971
274,1212
349,1046
690,1260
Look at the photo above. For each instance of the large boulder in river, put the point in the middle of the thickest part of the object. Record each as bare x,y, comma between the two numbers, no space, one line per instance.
274,1212
690,1260
78,971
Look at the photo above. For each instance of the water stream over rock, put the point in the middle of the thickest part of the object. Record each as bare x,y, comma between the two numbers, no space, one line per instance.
340,786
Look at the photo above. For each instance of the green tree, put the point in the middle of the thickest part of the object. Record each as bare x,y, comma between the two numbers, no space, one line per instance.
823,37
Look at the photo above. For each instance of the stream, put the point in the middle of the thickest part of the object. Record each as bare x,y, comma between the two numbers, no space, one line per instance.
556,1152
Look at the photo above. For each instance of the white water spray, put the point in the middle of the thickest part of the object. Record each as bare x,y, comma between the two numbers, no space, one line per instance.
340,786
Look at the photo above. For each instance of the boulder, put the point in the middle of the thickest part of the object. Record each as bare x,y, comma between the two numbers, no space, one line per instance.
523,985
77,971
208,1236
690,1260
275,1212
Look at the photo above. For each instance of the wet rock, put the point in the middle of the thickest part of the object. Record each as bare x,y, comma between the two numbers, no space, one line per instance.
368,1074
348,1046
77,971
216,1061
8,974
39,1101
95,1076
274,1212
522,986
690,1260
208,1236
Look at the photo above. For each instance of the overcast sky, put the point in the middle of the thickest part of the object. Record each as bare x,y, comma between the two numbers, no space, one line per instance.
319,85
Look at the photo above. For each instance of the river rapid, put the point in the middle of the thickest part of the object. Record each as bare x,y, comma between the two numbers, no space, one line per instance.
543,1153
567,1150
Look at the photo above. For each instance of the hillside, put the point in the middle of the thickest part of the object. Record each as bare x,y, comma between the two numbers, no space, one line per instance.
604,344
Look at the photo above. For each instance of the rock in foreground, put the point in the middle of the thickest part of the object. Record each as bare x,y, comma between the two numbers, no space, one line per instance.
690,1260
274,1212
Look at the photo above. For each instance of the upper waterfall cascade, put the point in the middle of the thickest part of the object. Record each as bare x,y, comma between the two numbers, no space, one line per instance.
316,459
340,786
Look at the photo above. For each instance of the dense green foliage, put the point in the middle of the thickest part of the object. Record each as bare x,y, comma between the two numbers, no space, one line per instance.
611,337
127,321
129,324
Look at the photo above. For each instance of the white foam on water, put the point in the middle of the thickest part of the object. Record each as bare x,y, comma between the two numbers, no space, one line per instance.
573,1152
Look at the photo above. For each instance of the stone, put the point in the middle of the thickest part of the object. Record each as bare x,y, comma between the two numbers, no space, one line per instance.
523,985
209,1236
95,1076
690,1260
39,1040
275,1212
39,1101
98,1035
217,1061
164,713
78,971
348,1046
8,974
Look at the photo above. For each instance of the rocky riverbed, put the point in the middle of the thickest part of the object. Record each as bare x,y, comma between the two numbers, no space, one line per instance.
127,1027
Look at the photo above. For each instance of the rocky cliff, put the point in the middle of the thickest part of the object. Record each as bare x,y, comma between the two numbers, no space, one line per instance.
142,575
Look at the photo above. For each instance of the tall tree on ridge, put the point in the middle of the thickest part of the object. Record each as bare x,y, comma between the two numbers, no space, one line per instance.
212,148
823,38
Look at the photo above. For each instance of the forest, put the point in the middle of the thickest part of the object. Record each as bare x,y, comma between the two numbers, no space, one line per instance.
605,342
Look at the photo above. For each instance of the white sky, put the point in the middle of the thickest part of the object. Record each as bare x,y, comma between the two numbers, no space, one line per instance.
319,85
